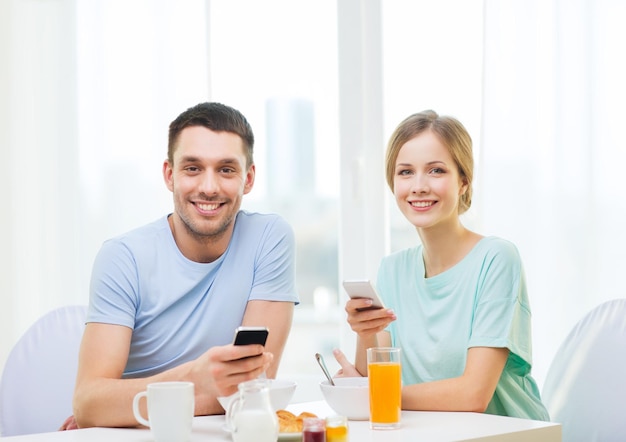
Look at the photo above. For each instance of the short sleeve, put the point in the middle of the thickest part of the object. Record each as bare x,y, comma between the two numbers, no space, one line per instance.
502,315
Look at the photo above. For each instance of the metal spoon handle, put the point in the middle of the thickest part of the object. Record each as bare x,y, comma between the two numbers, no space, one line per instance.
320,360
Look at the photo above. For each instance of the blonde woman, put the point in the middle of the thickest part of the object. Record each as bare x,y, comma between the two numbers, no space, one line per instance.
457,303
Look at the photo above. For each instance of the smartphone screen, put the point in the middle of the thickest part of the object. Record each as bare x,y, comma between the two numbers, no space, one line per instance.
250,335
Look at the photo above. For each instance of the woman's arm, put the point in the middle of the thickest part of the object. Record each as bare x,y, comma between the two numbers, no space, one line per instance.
472,391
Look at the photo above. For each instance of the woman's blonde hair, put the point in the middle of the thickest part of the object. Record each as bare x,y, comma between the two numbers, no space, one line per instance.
452,135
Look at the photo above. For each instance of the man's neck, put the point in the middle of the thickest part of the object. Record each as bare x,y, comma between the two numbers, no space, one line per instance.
197,248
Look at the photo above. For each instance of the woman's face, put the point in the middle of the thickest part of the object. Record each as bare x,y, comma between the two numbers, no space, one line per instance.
427,184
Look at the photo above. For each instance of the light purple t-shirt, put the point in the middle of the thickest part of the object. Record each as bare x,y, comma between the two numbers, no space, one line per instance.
178,308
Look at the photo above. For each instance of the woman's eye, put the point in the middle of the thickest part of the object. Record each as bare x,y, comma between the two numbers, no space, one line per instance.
404,172
437,170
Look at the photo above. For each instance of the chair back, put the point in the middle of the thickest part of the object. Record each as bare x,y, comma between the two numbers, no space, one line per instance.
585,388
38,379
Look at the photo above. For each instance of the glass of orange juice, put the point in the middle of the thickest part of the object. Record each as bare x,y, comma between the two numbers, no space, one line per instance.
385,385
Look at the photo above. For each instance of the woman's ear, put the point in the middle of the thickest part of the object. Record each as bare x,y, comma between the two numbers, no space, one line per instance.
464,186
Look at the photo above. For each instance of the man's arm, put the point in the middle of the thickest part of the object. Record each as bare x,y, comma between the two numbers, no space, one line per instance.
102,398
277,316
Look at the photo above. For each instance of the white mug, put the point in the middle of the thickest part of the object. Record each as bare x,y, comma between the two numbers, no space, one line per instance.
170,410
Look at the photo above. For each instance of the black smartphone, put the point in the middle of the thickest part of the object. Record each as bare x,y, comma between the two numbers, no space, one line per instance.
250,335
363,289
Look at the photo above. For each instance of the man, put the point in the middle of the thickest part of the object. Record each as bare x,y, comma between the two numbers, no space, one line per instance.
166,298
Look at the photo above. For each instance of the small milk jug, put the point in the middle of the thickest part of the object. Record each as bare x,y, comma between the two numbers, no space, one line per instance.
251,416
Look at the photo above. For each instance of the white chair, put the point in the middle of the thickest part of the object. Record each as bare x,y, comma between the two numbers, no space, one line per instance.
38,378
585,388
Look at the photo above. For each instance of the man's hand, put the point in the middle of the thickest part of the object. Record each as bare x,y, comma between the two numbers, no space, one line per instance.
221,369
69,424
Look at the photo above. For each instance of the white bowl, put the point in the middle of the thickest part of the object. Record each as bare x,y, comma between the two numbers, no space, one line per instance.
281,392
349,397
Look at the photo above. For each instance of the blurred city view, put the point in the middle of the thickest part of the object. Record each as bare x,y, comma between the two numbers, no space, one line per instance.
290,182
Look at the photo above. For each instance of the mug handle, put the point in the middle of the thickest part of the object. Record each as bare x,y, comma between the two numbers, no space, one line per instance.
233,407
136,411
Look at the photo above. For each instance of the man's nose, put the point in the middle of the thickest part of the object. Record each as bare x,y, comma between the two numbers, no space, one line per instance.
209,183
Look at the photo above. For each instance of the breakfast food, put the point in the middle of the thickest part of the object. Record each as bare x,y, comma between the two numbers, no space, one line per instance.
289,422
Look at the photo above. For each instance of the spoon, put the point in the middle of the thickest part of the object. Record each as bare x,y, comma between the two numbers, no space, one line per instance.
320,360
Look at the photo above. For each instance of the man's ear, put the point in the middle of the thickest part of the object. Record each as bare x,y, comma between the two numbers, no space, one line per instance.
168,175
249,179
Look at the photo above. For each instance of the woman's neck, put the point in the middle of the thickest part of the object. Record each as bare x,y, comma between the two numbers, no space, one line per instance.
444,248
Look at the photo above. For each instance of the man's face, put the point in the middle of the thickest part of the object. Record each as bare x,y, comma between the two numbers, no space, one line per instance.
208,179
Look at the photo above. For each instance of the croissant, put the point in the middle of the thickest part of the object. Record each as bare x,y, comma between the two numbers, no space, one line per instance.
289,422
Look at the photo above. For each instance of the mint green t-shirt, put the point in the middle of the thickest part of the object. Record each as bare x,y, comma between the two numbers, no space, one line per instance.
480,302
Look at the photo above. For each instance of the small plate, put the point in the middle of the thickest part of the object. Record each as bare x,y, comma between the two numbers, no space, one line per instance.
290,436
281,436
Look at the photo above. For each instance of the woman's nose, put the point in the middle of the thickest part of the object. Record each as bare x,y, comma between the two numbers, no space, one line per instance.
419,184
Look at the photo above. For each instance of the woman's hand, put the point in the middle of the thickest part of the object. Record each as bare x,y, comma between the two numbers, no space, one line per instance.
347,370
367,323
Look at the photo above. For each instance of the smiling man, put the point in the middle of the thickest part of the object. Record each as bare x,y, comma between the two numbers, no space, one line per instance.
166,298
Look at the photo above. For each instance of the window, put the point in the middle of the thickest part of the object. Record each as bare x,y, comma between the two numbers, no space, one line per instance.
277,63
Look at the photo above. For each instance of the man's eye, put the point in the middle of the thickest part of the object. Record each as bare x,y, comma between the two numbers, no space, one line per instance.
191,169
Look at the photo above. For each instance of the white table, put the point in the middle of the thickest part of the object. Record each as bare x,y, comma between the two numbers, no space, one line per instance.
425,426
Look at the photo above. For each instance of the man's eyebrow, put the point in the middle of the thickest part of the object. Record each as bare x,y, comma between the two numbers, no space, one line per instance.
189,159
228,161
193,159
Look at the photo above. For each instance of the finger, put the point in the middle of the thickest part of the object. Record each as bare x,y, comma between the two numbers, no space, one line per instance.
269,358
236,352
355,304
370,326
341,359
68,424
236,378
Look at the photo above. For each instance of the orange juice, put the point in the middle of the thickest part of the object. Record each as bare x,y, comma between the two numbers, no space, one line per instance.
385,392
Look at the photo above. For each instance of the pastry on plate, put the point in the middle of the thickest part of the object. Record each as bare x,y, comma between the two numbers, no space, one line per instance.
289,422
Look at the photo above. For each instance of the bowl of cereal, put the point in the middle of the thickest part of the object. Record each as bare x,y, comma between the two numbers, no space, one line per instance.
349,397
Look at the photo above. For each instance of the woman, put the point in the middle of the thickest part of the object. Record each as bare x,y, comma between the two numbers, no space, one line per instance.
463,320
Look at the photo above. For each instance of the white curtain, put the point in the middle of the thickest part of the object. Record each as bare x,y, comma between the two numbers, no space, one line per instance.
552,153
88,90
40,183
